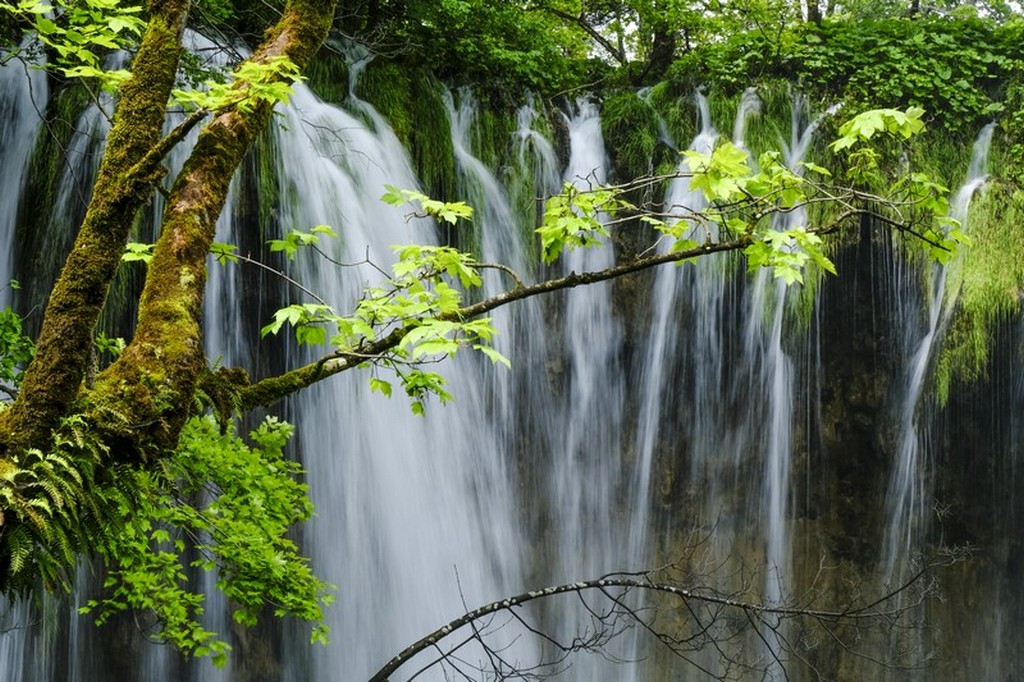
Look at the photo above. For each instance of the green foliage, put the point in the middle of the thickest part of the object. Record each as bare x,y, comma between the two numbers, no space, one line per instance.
53,509
213,13
114,346
230,505
955,69
674,104
135,252
721,174
421,301
296,239
449,212
422,305
80,32
865,139
630,129
307,320
863,127
16,349
254,83
985,285
575,219
224,253
746,199
731,65
215,504
1013,126
475,41
787,253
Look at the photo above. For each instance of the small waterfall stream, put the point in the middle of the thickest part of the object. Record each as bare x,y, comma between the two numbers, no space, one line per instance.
24,93
906,500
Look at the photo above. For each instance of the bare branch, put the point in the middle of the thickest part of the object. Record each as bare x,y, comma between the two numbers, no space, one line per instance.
755,613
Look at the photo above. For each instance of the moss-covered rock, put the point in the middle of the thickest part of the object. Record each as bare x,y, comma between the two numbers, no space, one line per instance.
630,127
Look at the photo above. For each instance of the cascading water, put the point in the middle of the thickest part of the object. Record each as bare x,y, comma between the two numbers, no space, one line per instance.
750,105
24,93
554,471
704,290
906,500
593,382
779,368
738,402
414,515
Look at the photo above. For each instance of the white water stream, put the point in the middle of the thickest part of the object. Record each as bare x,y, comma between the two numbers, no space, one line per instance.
907,498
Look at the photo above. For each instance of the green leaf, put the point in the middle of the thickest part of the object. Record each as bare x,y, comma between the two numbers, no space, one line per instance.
224,253
494,356
325,230
137,252
380,386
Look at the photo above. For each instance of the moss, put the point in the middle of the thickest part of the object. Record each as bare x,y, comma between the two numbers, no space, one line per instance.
630,128
388,87
524,189
430,140
327,75
267,188
771,125
677,109
267,391
410,100
492,133
63,350
221,391
987,282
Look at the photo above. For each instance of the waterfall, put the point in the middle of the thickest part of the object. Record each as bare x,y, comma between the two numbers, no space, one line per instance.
906,500
779,368
739,388
414,515
535,154
704,291
598,452
750,105
587,449
24,93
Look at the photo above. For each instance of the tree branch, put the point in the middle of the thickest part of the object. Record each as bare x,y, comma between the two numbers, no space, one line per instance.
272,389
616,53
750,609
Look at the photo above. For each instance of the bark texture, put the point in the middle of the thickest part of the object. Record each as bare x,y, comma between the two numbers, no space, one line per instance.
146,395
137,406
53,378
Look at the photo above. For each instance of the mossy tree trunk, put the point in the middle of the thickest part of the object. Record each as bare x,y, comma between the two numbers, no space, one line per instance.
138,405
126,179
153,381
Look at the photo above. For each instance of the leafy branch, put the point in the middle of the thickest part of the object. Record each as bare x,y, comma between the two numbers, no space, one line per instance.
418,314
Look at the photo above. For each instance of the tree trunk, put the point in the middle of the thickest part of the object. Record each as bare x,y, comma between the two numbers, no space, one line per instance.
146,395
53,378
138,404
814,12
